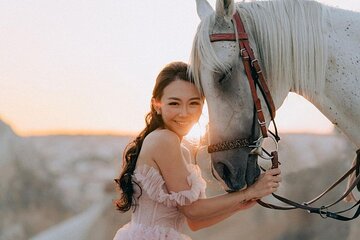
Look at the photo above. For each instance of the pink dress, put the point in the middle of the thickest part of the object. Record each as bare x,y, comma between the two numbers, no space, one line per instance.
156,217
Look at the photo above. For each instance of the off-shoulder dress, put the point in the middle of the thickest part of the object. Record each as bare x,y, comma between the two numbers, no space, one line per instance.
156,217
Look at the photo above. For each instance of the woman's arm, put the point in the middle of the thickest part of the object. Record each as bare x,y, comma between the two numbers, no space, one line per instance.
203,209
167,154
199,224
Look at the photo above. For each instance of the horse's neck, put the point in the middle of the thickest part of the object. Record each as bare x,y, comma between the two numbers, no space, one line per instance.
340,99
280,32
278,94
325,69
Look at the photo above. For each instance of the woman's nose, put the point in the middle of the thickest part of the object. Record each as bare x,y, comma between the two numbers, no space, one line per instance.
184,111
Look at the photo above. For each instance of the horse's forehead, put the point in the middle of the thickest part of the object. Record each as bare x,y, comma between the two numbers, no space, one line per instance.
220,25
226,51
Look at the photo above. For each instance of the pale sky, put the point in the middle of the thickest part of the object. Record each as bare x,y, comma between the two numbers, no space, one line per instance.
90,65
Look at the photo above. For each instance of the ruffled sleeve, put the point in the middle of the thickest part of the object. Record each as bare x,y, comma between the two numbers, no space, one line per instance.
154,185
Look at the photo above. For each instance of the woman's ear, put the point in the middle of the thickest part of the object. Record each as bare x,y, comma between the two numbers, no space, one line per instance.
157,105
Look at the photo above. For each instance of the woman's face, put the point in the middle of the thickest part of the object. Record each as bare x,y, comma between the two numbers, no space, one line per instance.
180,106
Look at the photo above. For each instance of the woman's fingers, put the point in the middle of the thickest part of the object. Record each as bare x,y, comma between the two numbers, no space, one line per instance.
273,172
277,178
267,183
274,178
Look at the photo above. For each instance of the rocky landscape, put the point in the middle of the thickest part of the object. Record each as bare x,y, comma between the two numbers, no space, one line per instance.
60,187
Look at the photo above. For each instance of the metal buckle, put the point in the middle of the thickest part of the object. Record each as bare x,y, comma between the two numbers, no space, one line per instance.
242,53
323,211
261,123
256,144
252,64
254,60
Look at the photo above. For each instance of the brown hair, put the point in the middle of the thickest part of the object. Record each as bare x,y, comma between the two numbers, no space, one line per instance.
170,73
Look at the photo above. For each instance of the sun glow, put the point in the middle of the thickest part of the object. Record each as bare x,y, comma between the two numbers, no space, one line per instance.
199,129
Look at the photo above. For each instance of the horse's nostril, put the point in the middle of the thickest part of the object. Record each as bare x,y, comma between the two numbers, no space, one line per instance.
218,167
226,171
223,171
231,181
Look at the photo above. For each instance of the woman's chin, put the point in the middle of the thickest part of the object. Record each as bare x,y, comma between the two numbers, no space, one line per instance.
182,134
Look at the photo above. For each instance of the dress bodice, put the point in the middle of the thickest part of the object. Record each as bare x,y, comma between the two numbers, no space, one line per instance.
156,216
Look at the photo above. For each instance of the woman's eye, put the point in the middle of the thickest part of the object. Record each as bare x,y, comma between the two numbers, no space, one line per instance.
173,103
194,103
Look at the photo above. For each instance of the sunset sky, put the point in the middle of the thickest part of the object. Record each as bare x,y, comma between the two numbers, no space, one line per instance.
88,66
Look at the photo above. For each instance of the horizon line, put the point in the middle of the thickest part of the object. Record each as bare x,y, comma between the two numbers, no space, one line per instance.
77,132
44,133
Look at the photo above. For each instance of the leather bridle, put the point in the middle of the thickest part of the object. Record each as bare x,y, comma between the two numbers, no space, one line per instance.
256,80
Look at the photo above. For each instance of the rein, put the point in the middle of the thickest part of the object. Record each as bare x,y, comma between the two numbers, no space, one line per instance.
257,80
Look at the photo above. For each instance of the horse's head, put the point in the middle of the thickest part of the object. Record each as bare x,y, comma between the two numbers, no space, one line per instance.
219,72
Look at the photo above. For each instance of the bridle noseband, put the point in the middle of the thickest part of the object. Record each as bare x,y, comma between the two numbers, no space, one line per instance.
257,80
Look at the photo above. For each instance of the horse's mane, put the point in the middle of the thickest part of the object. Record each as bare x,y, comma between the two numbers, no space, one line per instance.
291,43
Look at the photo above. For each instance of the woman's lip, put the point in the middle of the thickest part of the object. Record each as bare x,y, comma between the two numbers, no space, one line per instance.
181,122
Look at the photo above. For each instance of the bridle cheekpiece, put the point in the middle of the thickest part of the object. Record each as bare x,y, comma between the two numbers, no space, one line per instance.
256,80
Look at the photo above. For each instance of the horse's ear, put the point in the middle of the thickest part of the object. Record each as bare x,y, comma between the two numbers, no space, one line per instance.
203,8
225,8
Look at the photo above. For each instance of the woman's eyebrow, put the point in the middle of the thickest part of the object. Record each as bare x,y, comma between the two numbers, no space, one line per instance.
195,98
174,98
178,99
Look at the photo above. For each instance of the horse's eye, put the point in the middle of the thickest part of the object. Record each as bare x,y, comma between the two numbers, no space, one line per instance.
223,76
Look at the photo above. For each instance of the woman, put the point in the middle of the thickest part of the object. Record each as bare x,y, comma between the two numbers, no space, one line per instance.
158,179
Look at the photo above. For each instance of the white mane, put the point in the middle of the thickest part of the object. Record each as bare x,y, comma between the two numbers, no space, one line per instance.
290,40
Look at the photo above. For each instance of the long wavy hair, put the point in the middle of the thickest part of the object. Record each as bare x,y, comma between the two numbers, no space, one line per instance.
153,121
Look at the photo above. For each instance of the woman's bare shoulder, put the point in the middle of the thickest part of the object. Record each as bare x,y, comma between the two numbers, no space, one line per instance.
161,140
162,136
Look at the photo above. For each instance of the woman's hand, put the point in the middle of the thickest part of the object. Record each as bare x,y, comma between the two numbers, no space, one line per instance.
266,184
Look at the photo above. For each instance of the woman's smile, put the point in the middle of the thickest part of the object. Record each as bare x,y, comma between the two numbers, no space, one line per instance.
182,123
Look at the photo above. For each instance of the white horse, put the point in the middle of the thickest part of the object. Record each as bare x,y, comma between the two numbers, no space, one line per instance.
302,46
